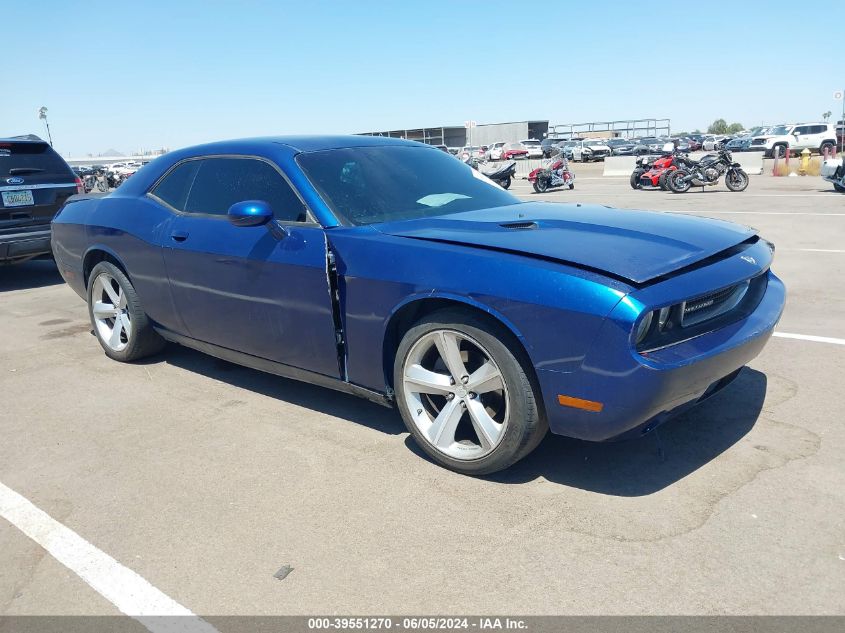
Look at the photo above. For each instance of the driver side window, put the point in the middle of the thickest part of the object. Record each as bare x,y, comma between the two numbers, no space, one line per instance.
221,182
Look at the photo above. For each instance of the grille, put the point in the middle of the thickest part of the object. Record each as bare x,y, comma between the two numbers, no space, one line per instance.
711,305
758,141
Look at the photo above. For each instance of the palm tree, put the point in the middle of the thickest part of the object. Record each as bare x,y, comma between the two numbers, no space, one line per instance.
826,115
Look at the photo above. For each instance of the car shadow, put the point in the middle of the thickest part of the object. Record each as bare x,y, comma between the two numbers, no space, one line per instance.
320,399
652,462
629,468
35,273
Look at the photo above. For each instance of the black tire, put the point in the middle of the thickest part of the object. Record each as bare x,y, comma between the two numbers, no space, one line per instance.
506,183
780,148
541,185
661,181
536,189
635,178
143,341
838,187
526,424
571,186
736,180
831,148
676,183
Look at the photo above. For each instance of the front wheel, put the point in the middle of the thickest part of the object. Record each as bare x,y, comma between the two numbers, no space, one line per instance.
571,186
635,178
536,188
736,179
676,181
838,187
506,183
541,185
465,395
121,326
661,180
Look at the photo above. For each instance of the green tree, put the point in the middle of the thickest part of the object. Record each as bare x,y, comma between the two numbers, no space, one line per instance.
719,126
733,128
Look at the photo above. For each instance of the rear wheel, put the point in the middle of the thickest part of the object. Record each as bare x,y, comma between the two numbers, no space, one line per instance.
571,186
661,180
736,180
676,183
541,185
506,183
838,187
831,148
465,395
121,326
635,178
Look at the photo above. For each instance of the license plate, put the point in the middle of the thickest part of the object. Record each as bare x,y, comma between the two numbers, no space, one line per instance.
17,198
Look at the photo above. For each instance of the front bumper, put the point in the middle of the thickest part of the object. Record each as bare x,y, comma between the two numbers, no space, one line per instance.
32,242
640,391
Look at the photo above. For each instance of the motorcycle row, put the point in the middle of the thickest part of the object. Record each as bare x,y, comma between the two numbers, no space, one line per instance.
675,171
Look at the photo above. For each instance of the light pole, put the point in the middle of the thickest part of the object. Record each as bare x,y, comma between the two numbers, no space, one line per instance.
42,114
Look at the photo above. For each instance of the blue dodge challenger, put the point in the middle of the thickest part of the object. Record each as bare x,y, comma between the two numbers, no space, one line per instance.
388,269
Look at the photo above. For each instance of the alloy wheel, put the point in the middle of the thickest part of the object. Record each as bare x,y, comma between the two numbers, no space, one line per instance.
111,314
456,394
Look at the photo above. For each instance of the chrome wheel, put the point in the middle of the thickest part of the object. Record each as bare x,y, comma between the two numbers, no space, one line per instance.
456,394
111,316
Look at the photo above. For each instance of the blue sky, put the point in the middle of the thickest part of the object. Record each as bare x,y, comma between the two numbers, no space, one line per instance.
151,73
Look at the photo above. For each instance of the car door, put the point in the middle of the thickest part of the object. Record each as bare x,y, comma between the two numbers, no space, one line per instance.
802,137
261,290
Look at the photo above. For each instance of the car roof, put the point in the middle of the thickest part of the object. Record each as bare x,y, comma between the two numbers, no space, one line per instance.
297,144
26,138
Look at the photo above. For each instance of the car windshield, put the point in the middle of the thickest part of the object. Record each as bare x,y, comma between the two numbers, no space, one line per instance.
648,141
617,141
780,130
593,143
366,185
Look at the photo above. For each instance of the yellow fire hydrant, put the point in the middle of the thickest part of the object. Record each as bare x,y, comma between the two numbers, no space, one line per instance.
805,162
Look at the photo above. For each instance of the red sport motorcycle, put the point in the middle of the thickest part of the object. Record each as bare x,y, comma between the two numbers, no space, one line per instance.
554,173
651,173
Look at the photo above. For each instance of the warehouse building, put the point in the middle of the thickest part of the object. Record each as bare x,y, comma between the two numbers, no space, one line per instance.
487,133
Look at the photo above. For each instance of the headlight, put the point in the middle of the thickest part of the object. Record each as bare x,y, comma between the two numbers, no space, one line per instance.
643,327
662,317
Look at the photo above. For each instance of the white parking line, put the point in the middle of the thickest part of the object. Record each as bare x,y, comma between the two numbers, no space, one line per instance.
121,586
813,250
810,337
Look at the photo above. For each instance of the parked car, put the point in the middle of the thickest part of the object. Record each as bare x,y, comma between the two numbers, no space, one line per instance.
713,142
694,145
514,150
796,137
495,151
621,146
34,182
472,151
550,146
566,148
649,145
590,149
534,148
589,321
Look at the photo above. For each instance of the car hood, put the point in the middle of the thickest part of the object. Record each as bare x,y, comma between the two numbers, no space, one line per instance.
636,246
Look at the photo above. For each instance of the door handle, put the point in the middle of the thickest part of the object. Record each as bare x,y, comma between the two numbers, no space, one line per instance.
179,236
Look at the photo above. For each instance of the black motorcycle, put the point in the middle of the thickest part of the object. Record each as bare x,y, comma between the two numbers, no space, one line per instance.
707,172
502,176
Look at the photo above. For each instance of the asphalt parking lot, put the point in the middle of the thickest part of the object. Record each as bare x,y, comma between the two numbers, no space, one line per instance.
205,478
